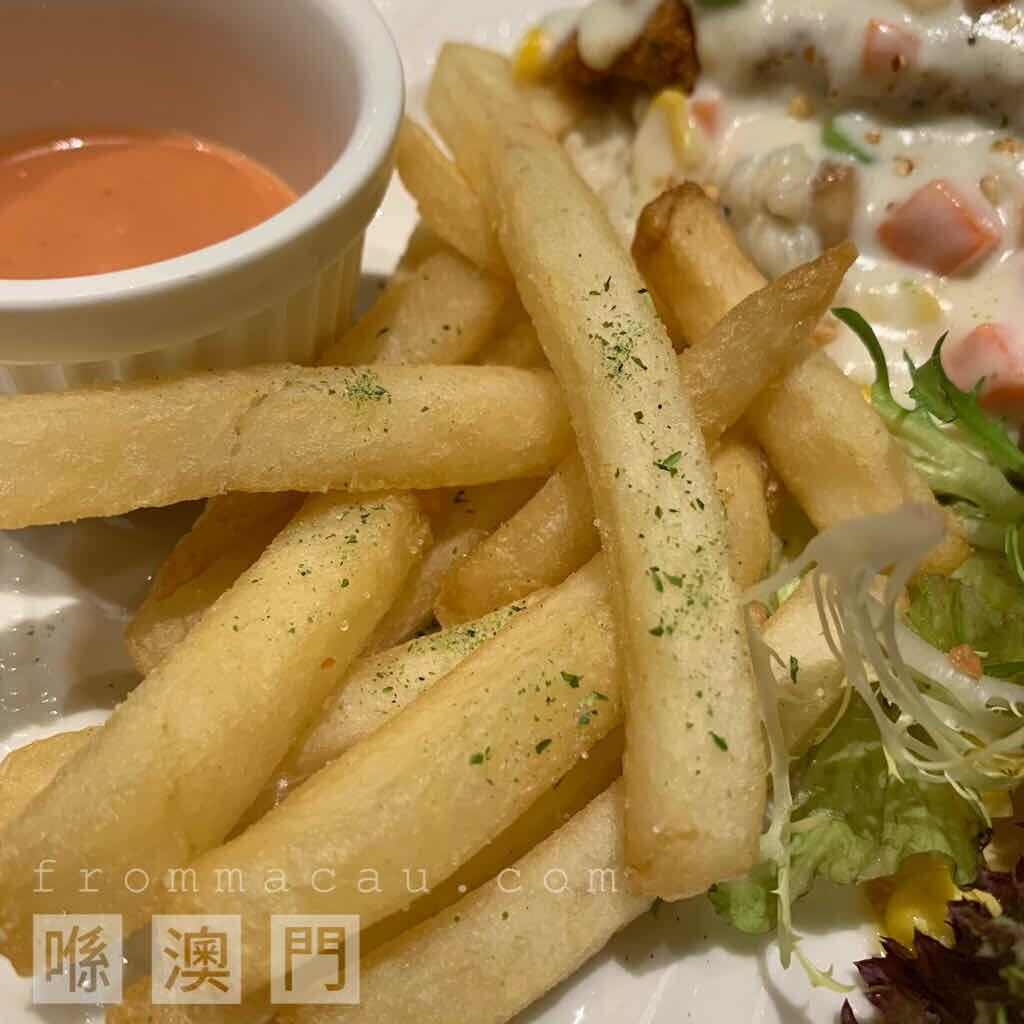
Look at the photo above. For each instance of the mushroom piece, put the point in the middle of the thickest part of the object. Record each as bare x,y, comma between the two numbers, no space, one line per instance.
835,191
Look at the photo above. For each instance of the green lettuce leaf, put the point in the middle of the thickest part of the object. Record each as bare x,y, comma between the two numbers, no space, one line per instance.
981,605
937,394
854,821
968,467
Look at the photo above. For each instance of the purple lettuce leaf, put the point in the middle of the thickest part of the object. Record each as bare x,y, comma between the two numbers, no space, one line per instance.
977,980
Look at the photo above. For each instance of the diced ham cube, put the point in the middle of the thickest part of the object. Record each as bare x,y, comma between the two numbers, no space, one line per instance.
994,352
707,111
888,48
939,228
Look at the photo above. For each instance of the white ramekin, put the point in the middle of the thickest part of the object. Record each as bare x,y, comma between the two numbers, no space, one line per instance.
311,88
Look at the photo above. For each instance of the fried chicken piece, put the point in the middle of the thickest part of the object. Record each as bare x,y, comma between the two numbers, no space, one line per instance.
665,54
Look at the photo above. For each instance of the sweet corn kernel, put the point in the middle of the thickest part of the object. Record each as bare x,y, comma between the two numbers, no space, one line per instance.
532,56
919,901
684,133
998,803
924,304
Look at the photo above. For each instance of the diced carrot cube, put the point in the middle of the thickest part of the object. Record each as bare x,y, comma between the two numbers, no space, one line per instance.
888,48
939,228
991,351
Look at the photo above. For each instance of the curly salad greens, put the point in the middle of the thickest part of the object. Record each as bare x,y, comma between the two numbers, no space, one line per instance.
932,718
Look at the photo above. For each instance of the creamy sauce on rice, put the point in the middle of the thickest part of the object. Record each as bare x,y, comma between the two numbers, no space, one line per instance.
922,91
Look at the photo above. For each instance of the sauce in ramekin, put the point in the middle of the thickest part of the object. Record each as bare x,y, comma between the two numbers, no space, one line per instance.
97,201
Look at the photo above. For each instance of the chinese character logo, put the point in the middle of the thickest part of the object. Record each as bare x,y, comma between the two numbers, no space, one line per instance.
76,958
197,959
314,958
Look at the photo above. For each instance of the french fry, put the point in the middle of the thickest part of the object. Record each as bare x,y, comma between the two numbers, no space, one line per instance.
662,524
179,761
502,949
175,602
228,537
135,1008
587,779
519,346
584,782
845,462
29,769
443,312
496,732
373,690
412,318
423,241
445,198
740,477
761,337
465,517
555,108
795,633
546,540
554,533
274,428
376,688
695,268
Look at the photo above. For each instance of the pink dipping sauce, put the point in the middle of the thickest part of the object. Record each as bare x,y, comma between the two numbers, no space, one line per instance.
88,203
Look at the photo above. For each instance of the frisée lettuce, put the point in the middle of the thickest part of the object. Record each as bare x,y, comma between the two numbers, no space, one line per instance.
853,821
948,735
975,469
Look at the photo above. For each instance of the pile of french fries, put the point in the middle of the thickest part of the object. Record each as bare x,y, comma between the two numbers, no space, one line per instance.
508,443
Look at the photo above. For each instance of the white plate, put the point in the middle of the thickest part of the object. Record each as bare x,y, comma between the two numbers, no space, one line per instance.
65,595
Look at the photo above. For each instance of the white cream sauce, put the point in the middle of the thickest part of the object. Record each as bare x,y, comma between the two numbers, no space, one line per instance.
908,306
605,28
966,58
950,115
954,113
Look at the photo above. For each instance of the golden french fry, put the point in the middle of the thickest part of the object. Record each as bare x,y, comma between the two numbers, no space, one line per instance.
274,428
30,769
422,242
465,517
662,524
445,198
551,536
556,109
587,779
795,633
181,759
761,337
376,688
698,271
835,455
584,782
228,537
695,267
505,944
168,613
519,346
496,732
443,312
554,533
235,528
225,521
740,475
